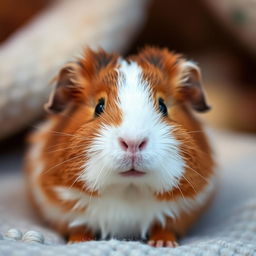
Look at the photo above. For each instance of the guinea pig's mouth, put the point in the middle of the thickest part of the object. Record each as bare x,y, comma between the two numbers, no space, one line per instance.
132,173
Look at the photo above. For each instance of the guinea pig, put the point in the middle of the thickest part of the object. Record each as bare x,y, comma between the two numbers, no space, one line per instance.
121,154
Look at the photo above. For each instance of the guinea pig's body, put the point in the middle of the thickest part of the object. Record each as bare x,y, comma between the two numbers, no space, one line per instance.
121,154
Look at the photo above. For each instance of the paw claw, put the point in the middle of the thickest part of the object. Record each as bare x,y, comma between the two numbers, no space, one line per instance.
159,243
171,244
151,242
162,243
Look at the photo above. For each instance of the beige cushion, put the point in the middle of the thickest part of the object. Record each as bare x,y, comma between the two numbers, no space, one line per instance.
33,56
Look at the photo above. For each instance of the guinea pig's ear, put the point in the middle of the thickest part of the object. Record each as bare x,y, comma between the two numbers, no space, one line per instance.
189,86
65,90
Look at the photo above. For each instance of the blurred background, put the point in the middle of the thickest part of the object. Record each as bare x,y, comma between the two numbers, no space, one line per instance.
38,36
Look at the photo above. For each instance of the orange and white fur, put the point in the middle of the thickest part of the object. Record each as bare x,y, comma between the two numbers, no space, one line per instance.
121,154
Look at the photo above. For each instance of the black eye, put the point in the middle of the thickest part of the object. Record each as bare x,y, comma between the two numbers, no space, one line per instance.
162,107
100,107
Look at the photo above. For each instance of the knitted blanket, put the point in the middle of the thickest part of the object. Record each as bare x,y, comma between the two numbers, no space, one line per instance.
227,228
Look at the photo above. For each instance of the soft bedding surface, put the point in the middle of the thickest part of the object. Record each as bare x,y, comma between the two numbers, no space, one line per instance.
227,228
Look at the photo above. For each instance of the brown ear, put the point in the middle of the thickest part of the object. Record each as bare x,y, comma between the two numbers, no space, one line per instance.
66,89
189,86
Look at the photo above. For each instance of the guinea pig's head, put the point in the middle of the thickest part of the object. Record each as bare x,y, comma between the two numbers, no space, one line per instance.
119,112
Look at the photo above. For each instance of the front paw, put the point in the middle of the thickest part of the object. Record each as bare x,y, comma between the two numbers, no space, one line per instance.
80,235
161,237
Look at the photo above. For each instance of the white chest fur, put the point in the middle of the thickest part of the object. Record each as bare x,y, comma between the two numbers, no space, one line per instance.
126,212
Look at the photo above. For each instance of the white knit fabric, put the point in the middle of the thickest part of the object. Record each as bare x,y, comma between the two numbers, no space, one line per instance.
228,228
33,55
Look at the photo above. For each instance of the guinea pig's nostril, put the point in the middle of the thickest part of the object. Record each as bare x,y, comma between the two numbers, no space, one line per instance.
123,144
132,146
143,144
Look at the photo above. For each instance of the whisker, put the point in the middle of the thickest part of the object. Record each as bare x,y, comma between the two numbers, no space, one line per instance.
76,179
65,143
64,134
190,132
190,184
61,149
197,173
72,158
57,132
172,194
58,145
181,193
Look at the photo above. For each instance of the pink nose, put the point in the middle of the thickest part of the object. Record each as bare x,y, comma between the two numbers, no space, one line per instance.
132,146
